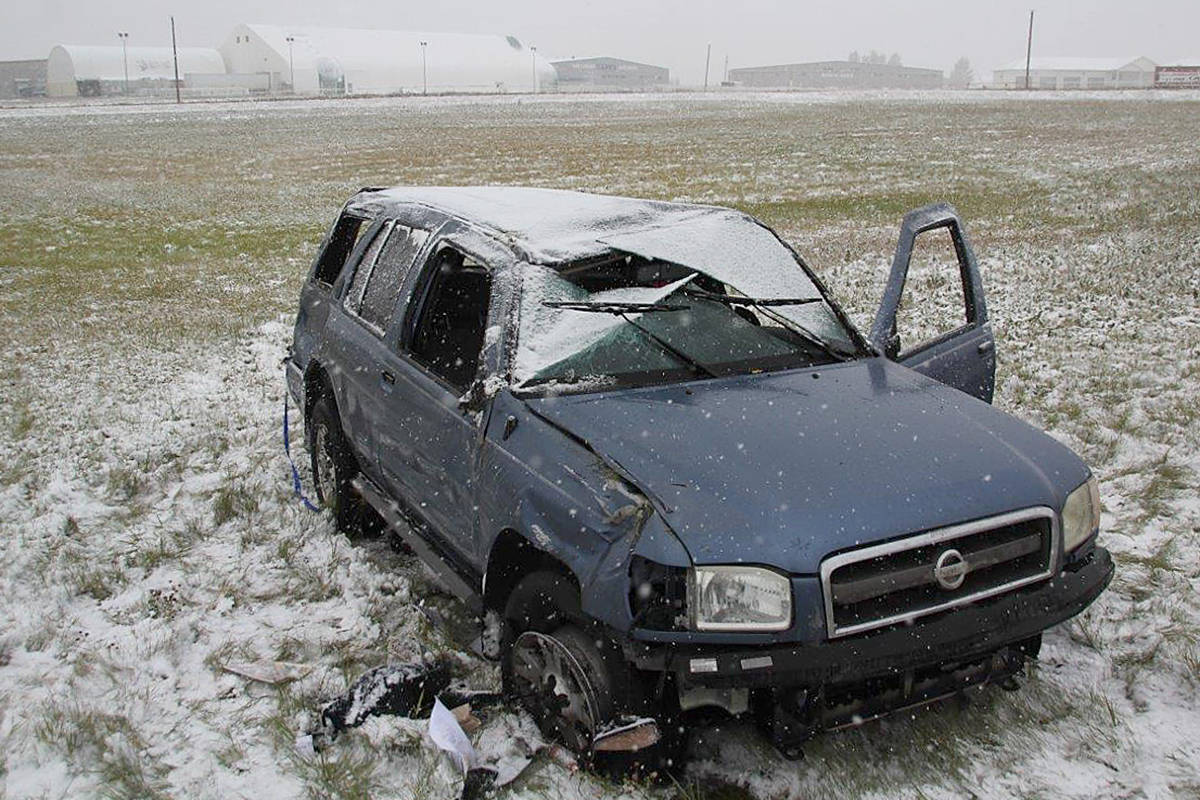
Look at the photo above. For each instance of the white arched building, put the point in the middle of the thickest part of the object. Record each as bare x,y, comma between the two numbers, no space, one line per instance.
101,69
352,61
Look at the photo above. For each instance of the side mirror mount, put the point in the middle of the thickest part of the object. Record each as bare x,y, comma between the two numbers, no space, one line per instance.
474,398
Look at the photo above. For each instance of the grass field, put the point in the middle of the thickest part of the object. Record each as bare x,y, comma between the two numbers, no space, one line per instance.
150,258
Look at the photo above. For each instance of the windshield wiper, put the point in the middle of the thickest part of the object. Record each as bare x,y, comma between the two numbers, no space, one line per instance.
787,322
619,309
675,351
738,300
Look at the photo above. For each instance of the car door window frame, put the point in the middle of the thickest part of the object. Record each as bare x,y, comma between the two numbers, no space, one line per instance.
965,284
419,297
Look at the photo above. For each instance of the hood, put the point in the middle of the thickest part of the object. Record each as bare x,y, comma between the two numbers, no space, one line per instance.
783,469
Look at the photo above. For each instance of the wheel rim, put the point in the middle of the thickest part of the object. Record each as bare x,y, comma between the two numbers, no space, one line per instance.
556,689
326,469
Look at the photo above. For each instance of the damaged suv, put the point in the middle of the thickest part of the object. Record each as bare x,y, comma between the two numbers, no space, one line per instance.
645,440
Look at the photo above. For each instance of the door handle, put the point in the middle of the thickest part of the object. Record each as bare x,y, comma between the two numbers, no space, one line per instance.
388,378
986,347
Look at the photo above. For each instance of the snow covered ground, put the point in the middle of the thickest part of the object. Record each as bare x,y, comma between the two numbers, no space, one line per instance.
149,259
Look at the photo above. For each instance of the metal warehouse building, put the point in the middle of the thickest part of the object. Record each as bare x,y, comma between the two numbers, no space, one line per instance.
94,70
22,78
607,74
1077,73
837,75
312,60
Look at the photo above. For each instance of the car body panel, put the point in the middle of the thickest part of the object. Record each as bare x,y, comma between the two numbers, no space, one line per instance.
787,468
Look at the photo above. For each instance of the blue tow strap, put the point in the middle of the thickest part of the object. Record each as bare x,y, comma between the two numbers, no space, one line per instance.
287,450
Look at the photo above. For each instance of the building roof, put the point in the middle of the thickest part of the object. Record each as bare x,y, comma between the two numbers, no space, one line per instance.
859,65
107,62
1072,64
451,58
1183,62
606,59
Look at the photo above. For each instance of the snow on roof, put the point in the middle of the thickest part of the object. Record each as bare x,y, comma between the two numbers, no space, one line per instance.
1071,64
71,62
550,225
1183,62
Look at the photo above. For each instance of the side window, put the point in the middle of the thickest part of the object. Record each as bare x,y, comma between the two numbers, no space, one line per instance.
391,267
362,272
448,334
933,303
337,250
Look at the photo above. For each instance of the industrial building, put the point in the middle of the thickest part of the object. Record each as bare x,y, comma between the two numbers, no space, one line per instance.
312,60
22,78
1183,73
95,70
1077,73
609,74
837,75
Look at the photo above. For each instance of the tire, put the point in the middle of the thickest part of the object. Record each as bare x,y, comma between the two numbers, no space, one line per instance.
567,673
333,466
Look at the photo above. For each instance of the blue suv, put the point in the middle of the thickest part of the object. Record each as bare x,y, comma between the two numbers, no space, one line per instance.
645,446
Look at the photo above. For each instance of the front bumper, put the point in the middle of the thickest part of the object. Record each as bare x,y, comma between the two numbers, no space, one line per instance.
957,635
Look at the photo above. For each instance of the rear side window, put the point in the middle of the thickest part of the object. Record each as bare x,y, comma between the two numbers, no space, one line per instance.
340,245
362,273
390,269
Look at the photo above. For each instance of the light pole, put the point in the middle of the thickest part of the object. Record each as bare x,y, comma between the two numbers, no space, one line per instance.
533,58
424,78
124,37
291,64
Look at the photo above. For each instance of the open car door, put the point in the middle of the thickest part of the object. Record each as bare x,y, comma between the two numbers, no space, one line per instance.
933,317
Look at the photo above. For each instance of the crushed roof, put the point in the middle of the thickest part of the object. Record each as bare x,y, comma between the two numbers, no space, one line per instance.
548,225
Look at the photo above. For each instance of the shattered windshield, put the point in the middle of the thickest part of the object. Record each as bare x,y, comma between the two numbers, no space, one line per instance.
625,318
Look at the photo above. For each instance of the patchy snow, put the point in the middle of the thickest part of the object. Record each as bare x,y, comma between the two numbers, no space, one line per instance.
150,534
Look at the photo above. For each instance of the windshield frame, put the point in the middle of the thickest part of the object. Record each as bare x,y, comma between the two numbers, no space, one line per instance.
658,377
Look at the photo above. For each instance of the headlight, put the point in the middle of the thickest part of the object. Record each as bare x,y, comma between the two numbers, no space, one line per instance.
1081,514
738,599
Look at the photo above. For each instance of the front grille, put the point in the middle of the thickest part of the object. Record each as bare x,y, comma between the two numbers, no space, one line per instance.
919,575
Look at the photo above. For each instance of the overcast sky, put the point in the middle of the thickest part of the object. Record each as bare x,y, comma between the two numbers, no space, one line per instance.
672,33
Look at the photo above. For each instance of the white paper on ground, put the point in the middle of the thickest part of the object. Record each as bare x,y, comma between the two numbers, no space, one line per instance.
448,735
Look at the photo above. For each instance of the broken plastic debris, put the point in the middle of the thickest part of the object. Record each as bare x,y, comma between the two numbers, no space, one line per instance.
270,672
630,736
448,735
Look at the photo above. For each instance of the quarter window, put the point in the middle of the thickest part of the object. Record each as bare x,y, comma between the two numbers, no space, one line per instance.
339,247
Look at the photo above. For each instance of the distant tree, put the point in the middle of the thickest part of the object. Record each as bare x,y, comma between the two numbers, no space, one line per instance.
961,76
894,61
876,57
854,59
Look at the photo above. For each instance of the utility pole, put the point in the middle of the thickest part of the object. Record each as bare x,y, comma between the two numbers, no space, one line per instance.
725,75
124,37
1029,51
533,57
175,53
707,58
424,73
291,64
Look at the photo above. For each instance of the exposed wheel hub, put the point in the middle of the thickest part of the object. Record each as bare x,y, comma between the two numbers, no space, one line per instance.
558,683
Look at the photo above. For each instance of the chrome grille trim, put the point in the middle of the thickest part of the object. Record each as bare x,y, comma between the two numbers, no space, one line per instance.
832,563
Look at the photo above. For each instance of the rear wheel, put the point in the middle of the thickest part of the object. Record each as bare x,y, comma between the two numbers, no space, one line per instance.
333,465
